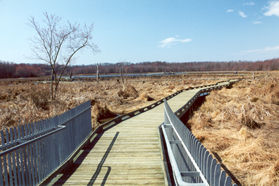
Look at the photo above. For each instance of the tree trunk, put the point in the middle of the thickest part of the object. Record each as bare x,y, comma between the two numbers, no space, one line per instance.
51,85
56,88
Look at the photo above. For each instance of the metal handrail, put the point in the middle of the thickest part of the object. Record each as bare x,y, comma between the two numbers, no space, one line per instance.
178,177
177,173
60,127
7,147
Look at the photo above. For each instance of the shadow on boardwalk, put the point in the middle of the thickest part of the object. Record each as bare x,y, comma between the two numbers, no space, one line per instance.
67,172
100,165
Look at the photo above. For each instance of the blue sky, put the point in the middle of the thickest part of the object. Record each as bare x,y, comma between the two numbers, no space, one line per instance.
150,30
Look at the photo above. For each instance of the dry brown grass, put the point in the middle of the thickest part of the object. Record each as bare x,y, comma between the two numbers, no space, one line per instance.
24,102
241,125
128,91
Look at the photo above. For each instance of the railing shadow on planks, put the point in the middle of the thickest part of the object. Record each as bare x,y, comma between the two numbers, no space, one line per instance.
33,153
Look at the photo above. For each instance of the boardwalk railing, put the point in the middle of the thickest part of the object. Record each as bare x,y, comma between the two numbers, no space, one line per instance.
191,163
30,153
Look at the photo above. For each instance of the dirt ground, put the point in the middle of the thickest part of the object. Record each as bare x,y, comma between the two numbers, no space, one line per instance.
241,125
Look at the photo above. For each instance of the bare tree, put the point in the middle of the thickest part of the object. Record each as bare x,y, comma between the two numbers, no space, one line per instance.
56,43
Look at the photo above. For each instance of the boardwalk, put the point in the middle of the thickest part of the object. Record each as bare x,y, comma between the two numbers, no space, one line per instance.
127,154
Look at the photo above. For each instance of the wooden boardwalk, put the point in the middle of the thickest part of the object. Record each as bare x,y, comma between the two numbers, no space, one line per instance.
127,154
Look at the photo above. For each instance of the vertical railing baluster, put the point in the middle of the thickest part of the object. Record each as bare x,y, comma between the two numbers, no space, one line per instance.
19,159
222,178
11,135
31,155
14,168
9,172
25,154
2,138
24,130
228,181
20,132
36,157
18,175
201,157
44,126
32,162
14,157
15,134
23,166
217,175
28,149
208,164
29,130
5,170
7,137
1,172
26,157
10,169
41,155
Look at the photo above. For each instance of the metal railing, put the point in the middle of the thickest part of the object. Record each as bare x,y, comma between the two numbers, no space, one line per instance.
30,153
190,162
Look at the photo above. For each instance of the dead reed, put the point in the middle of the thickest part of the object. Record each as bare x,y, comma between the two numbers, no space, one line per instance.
241,125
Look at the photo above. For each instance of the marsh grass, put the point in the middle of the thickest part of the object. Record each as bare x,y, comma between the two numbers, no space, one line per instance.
241,125
25,102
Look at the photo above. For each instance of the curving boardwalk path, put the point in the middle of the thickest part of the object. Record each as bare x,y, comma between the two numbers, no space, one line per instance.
127,154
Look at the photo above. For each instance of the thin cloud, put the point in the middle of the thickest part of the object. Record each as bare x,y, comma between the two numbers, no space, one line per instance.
251,3
230,11
257,22
272,9
172,40
242,14
263,50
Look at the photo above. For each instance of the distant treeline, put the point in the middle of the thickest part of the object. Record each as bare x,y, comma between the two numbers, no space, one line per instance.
12,70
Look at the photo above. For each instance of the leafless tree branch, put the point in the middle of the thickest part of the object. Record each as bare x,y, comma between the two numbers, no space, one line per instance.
56,44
